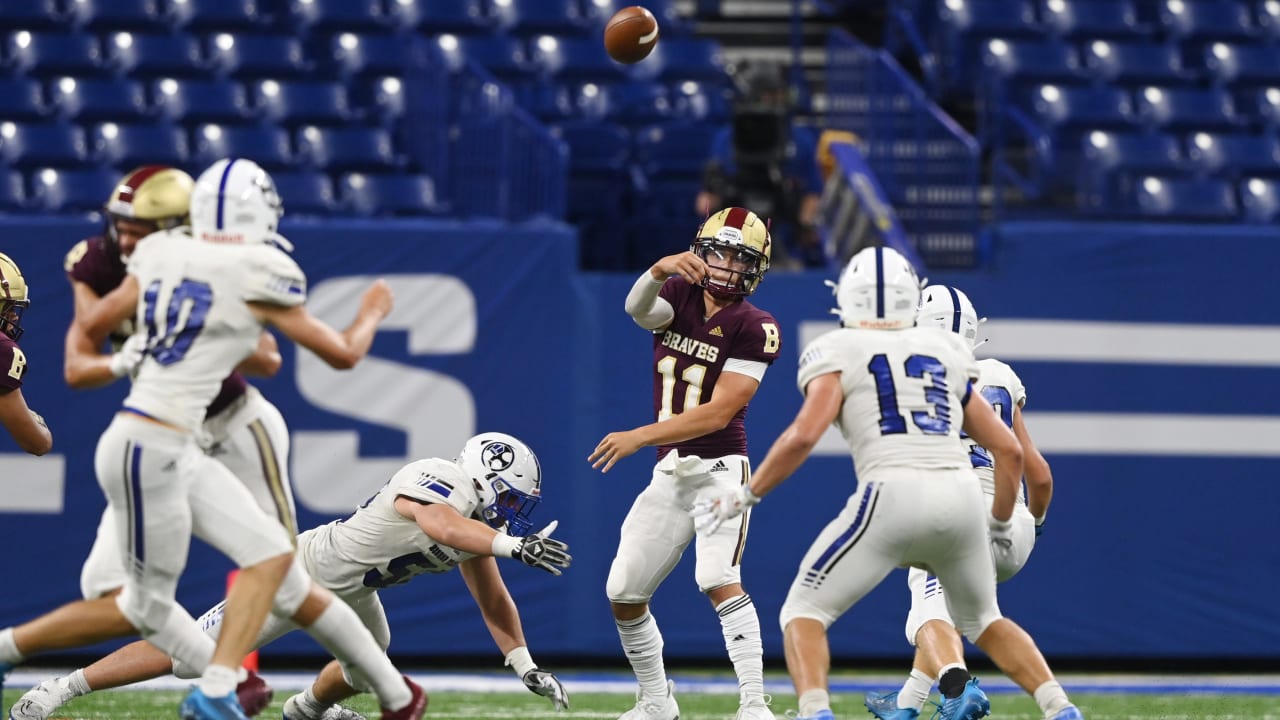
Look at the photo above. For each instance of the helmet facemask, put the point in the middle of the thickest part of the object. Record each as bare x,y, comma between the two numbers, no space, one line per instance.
14,298
11,317
510,509
507,478
744,265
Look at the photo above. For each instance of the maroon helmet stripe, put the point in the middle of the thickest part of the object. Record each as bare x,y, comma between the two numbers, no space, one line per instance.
735,218
135,179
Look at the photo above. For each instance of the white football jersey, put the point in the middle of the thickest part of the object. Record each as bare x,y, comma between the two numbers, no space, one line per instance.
378,547
903,394
1000,385
192,304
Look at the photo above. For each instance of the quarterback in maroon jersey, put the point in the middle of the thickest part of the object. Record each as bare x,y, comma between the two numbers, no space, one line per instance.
23,423
711,348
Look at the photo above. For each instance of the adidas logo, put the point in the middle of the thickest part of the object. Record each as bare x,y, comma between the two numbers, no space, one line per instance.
719,467
738,638
169,466
716,331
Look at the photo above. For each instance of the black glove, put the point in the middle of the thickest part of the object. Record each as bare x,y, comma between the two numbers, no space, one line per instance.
540,551
544,683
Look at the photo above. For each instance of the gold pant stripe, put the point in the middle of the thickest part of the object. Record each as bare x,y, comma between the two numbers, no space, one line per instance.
271,471
746,519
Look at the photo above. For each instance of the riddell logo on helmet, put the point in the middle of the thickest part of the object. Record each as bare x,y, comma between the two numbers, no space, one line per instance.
228,238
728,234
880,324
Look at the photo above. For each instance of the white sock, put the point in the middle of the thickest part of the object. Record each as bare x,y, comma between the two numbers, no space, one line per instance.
340,631
741,627
77,684
182,639
642,644
217,681
9,649
311,706
813,702
915,691
1051,698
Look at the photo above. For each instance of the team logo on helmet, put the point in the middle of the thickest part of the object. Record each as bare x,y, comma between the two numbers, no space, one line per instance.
497,456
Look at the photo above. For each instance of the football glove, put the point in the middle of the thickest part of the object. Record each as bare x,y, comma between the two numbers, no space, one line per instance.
541,551
1001,532
710,513
1039,526
129,356
544,683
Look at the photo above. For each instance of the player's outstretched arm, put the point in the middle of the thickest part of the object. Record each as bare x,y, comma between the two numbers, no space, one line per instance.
447,526
341,350
984,425
1036,469
24,424
265,361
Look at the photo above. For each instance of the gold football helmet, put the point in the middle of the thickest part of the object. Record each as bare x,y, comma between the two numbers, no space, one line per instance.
14,298
155,194
735,240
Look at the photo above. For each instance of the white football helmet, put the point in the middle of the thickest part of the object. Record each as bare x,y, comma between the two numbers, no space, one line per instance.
878,290
508,477
235,201
949,308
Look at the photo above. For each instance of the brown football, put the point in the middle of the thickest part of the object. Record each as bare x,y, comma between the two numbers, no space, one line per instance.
631,34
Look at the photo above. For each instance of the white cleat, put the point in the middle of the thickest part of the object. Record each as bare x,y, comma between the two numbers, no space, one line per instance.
756,708
654,708
41,701
296,709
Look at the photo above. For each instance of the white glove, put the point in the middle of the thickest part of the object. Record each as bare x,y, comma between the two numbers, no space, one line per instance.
129,357
710,513
545,683
1001,532
537,550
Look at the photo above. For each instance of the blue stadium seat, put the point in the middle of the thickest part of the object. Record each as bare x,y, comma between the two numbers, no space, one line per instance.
571,58
22,99
387,99
334,15
78,190
1185,199
1134,63
534,17
1092,19
54,53
676,59
205,15
362,55
348,148
1110,161
305,192
595,147
127,146
1264,105
32,14
962,27
302,101
675,150
246,56
149,56
1031,61
1243,65
1234,156
54,144
638,103
91,99
13,191
1186,108
701,102
1206,20
400,194
503,56
1260,200
440,16
1066,108
1267,19
268,146
98,15
196,101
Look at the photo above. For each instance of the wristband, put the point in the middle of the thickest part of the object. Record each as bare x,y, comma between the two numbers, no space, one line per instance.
504,545
520,661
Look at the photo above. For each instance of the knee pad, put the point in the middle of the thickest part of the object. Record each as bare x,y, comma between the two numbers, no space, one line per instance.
355,680
146,611
711,575
793,610
972,628
184,672
619,587
293,590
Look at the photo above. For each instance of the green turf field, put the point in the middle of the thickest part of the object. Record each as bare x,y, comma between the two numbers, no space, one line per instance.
152,705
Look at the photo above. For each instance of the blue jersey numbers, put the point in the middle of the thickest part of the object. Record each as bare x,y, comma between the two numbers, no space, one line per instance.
1002,402
183,319
932,422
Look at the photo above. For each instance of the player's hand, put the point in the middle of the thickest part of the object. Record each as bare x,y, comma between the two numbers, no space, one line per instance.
686,264
129,356
613,448
1001,532
378,299
544,683
710,513
543,552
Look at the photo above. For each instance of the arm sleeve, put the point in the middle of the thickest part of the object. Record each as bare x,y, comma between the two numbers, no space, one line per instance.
273,277
645,306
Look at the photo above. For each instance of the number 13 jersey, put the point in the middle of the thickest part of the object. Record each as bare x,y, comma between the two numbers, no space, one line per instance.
193,308
904,394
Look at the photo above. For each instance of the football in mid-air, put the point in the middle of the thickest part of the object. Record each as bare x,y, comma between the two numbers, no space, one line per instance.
630,35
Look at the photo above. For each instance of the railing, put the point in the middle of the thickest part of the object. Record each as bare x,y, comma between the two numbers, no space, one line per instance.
856,212
929,165
496,159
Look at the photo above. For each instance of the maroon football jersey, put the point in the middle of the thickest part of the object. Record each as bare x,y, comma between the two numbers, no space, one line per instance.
13,365
691,353
96,264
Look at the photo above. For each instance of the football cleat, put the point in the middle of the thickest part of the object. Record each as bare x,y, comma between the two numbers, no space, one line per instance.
1071,712
41,701
820,715
968,705
414,710
340,712
198,706
756,708
254,694
886,707
654,709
